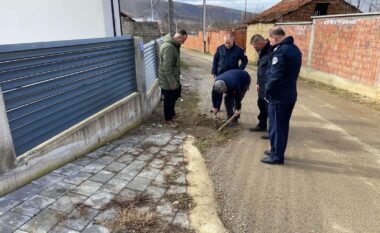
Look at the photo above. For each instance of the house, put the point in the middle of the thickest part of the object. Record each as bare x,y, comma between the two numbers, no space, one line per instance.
293,11
146,30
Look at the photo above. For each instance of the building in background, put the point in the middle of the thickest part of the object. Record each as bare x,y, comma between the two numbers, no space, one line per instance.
45,20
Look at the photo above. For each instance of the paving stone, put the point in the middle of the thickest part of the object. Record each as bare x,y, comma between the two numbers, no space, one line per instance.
157,163
131,170
165,208
127,159
164,153
26,210
170,148
87,188
13,220
115,167
116,153
49,179
128,194
78,221
149,173
68,169
160,179
92,228
6,229
7,203
106,160
135,151
78,178
145,156
159,139
139,184
59,189
102,176
83,161
113,186
60,229
175,161
95,154
99,199
154,150
43,222
181,179
155,193
93,168
176,141
39,202
18,231
180,136
107,148
107,215
182,219
26,192
174,189
66,203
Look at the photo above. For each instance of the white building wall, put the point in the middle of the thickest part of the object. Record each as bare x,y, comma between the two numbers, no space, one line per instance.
25,21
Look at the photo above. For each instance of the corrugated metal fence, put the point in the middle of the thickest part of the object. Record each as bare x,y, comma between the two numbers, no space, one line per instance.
49,87
151,63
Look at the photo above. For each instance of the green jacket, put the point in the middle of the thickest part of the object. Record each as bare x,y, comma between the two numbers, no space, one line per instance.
169,66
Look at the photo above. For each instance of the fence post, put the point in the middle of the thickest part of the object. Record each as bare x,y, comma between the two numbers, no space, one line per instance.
311,44
140,72
7,151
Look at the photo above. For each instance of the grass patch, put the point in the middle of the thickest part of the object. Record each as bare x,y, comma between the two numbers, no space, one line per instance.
181,202
344,94
171,178
61,217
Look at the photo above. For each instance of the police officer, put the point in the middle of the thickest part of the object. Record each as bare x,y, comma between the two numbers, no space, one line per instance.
281,92
234,83
263,48
227,57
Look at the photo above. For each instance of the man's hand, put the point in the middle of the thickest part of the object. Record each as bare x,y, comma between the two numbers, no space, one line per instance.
257,87
215,110
237,112
214,76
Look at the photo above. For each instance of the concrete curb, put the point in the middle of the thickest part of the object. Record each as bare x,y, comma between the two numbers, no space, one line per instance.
204,217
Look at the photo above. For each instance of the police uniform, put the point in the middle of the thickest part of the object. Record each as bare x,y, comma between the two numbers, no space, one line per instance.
281,93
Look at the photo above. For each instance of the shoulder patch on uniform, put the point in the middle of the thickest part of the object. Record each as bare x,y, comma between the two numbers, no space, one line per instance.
274,61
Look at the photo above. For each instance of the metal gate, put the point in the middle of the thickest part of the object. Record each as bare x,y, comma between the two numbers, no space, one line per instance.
49,87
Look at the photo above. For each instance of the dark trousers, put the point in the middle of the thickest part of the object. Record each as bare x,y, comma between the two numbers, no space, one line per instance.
279,118
170,97
263,113
229,104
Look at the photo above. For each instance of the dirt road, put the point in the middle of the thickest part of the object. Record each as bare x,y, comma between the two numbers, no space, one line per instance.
331,178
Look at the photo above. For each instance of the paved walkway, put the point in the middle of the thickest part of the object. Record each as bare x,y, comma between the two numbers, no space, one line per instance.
138,179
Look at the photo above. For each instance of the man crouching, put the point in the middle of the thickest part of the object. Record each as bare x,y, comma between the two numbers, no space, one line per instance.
234,83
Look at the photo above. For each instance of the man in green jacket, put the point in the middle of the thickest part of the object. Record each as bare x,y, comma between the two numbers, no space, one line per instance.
169,73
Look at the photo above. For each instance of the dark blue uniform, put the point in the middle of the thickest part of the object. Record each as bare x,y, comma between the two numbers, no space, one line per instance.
237,82
281,92
262,65
228,59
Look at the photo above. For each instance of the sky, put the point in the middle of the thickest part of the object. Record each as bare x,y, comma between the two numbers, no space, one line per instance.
252,5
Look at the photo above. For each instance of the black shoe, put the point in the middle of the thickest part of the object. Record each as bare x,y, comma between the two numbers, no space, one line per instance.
233,123
265,137
258,129
267,152
268,160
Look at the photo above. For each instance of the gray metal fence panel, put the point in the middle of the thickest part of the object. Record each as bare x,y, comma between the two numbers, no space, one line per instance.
49,87
151,63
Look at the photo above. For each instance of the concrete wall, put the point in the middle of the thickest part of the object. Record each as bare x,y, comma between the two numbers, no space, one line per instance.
253,29
146,30
215,39
45,20
343,51
88,135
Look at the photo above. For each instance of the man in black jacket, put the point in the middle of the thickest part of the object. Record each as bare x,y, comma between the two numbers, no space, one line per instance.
234,83
263,48
281,92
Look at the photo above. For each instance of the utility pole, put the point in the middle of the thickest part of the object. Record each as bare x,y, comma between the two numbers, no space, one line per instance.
171,17
204,26
245,12
151,8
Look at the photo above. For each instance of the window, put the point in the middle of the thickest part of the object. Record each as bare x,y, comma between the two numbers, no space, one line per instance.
321,9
